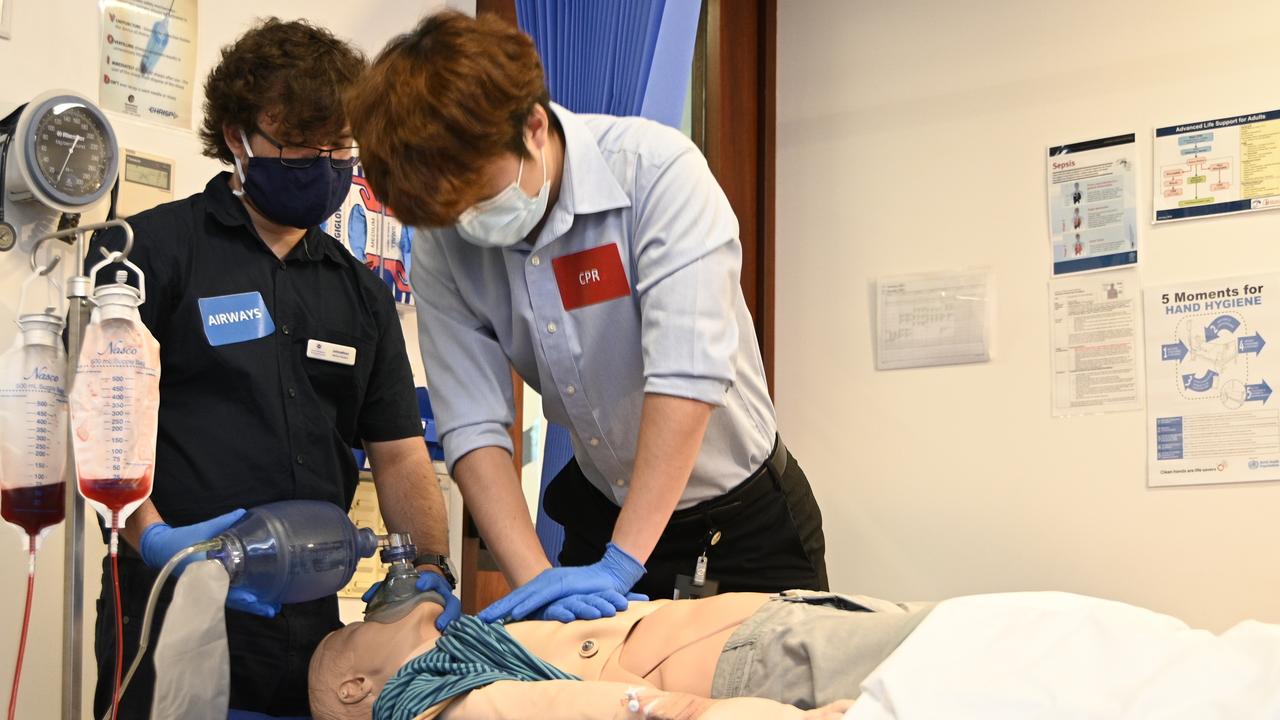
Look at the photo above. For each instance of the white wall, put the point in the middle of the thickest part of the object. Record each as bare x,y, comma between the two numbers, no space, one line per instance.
54,44
911,136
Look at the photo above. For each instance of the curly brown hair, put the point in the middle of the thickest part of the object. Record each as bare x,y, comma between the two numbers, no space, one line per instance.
438,103
294,72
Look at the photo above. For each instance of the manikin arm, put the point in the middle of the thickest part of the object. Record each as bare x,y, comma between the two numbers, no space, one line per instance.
594,700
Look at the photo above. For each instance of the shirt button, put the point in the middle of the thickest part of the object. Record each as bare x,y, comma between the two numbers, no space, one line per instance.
536,261
595,442
284,329
551,327
293,393
299,459
619,482
571,390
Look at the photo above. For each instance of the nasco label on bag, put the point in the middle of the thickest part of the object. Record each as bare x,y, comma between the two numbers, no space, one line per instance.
235,318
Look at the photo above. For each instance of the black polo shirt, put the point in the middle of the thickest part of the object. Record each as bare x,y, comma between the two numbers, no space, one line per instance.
246,420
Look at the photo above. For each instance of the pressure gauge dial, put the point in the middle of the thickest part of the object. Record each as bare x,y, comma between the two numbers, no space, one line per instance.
65,152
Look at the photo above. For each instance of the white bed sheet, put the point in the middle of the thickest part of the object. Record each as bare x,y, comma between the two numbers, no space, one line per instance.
1057,655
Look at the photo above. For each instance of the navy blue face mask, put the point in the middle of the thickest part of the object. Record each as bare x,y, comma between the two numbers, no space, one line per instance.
290,196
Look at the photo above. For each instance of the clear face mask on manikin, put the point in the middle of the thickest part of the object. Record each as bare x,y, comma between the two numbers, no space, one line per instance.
508,217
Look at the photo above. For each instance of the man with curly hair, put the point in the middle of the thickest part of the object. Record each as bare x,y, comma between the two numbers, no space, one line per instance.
280,352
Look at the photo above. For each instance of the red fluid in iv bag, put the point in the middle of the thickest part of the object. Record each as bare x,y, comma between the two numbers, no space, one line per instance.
35,507
116,493
114,404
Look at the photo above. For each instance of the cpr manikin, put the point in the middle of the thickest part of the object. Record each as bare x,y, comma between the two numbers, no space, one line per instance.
664,652
1049,655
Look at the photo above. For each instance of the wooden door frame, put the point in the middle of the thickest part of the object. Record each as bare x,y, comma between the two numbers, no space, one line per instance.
740,78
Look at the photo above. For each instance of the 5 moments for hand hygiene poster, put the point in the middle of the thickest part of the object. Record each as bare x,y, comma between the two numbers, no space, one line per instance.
1210,370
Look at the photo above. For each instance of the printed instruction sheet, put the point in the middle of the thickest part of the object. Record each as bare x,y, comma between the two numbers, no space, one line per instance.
1096,341
1217,167
148,51
1093,209
1209,369
934,319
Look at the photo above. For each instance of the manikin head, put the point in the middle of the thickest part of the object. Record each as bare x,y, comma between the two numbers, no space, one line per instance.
350,666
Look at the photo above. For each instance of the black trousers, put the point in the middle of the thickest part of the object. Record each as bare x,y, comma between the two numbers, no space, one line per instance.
269,656
770,526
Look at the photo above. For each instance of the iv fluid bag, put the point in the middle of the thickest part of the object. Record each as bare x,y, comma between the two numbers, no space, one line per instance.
115,401
33,428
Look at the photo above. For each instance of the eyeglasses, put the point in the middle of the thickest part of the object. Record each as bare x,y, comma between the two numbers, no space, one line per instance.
304,156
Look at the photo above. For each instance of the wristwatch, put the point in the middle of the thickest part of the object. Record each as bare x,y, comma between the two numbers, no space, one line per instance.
440,561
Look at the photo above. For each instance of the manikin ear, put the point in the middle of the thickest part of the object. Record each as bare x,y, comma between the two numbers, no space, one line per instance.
354,690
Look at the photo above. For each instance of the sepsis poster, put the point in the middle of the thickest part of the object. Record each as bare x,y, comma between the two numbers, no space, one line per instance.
370,231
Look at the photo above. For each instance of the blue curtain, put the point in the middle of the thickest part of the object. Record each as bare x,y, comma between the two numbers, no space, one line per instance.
616,57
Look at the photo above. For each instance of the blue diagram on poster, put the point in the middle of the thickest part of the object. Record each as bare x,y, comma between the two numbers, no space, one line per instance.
371,233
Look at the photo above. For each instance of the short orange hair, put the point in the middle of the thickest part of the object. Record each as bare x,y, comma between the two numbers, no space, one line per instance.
437,104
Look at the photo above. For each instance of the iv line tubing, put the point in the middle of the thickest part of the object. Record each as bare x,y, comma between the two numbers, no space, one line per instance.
26,623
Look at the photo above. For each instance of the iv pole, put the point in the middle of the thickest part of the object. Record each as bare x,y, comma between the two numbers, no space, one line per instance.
73,548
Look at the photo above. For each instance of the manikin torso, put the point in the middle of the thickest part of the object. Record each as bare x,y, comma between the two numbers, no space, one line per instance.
670,645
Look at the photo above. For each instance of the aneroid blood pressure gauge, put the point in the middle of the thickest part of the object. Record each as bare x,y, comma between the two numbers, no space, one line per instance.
62,152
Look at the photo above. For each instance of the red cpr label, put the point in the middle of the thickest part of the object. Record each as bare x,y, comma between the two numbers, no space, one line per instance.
590,277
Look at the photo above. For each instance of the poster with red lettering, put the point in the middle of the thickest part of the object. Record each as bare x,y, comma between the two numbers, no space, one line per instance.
591,277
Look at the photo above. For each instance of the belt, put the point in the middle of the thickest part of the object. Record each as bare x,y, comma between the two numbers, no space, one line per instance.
765,480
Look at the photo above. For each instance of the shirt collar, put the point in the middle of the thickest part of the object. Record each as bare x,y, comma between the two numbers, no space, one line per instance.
224,206
587,185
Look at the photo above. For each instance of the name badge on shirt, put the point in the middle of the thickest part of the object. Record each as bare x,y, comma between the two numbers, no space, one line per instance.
590,277
235,318
331,352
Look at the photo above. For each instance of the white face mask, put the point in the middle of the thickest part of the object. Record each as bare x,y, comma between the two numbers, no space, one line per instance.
506,218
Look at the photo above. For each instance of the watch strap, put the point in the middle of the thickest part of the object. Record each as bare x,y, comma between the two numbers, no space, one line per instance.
440,561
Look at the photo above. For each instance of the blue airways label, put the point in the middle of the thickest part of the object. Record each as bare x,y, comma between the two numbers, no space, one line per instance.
235,318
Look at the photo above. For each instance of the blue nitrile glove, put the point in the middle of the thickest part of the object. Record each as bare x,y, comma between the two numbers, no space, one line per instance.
245,601
429,581
588,607
435,582
161,541
616,572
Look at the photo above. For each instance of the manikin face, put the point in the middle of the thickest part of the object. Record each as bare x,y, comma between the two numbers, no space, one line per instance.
351,665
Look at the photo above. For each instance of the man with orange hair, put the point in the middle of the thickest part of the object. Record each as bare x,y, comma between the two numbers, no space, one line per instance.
598,256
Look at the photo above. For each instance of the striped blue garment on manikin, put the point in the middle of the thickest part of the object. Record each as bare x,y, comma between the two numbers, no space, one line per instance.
469,655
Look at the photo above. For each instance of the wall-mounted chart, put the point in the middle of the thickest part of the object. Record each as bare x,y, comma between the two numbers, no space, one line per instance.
1217,167
1209,381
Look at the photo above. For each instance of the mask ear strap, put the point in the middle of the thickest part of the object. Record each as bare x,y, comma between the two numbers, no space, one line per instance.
245,139
239,192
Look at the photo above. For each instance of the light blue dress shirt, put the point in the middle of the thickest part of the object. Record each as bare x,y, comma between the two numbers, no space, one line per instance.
683,330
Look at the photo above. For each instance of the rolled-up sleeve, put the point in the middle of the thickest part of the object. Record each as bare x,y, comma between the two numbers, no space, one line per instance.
468,375
688,264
